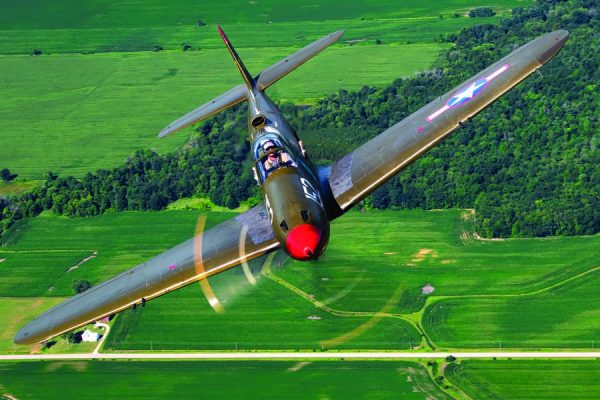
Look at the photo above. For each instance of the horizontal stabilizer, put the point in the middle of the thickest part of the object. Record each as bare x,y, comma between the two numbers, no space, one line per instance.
218,104
262,81
277,71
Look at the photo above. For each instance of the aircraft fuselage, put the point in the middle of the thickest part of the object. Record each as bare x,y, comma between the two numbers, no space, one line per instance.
288,180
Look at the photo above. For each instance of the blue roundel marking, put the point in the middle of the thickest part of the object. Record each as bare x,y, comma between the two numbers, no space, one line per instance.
467,93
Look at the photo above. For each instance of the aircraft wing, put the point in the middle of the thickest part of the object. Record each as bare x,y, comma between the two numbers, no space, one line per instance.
359,173
244,237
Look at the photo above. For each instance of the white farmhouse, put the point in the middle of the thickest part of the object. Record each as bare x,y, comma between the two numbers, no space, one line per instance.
89,336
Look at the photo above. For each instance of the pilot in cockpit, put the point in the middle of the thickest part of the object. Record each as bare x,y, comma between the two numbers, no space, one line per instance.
276,158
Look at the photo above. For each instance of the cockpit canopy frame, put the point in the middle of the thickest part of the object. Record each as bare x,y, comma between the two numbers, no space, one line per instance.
270,154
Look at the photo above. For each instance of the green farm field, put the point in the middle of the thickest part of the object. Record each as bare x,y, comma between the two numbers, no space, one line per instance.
69,26
218,379
112,104
527,379
72,112
367,296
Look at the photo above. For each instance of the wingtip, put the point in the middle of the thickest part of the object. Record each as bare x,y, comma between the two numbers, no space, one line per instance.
165,132
338,34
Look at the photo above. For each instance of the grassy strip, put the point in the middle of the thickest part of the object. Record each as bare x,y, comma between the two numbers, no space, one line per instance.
527,379
218,379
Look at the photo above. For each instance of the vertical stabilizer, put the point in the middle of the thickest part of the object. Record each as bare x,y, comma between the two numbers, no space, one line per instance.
238,61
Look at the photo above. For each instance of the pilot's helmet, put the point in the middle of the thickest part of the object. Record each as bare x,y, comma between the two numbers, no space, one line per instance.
267,145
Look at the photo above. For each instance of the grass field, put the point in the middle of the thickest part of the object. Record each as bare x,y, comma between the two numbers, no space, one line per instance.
16,187
551,318
355,297
527,379
115,103
16,312
73,113
218,380
127,26
424,29
52,245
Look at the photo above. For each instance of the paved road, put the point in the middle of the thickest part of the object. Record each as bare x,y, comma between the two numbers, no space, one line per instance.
300,355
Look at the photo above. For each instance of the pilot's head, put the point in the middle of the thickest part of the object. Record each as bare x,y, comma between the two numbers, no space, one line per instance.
268,145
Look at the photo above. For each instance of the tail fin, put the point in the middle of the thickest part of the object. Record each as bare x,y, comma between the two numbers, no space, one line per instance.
262,81
238,61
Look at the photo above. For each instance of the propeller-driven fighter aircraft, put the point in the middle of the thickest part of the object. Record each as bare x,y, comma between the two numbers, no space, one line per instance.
300,199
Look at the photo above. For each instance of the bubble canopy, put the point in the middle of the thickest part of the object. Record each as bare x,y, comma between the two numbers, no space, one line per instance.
270,154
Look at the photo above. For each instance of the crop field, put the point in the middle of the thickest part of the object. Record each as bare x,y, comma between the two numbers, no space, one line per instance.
16,187
219,380
550,318
115,103
46,259
71,112
527,379
127,26
372,296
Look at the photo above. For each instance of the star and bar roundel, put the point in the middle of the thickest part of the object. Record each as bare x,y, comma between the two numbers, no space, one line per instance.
467,93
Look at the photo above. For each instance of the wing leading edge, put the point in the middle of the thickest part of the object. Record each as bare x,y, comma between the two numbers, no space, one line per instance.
359,173
247,236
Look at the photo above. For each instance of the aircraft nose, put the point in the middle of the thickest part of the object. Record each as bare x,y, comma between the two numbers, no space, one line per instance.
302,241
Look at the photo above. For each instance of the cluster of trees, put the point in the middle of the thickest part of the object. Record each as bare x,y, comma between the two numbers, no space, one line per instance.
481,12
6,175
529,164
81,285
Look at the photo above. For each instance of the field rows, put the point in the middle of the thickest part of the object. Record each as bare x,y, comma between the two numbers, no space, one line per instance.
126,26
113,104
527,379
259,379
401,253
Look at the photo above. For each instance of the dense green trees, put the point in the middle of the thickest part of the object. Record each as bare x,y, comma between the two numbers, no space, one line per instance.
481,12
81,285
529,164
